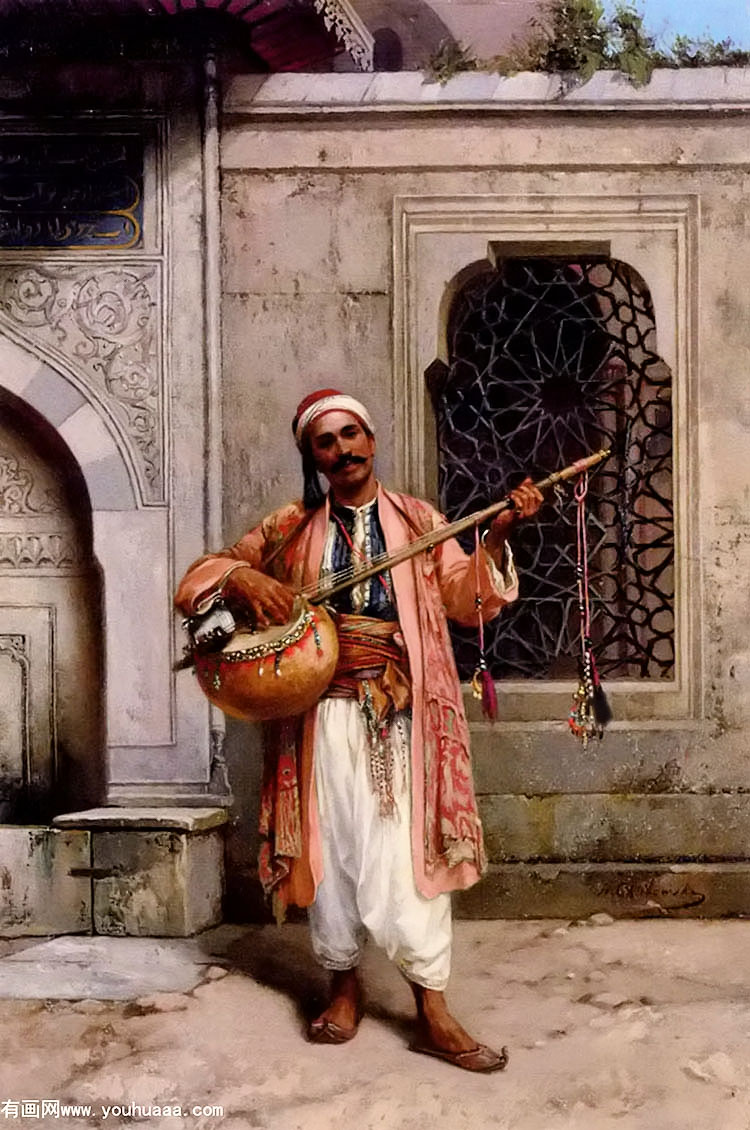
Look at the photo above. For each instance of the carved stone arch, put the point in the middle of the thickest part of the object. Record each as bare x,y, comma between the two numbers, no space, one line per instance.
85,427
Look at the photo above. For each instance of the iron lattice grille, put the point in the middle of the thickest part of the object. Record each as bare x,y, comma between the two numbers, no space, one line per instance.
550,360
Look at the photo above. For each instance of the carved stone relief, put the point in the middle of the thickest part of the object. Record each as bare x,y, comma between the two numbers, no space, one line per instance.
15,647
103,322
18,494
37,531
24,551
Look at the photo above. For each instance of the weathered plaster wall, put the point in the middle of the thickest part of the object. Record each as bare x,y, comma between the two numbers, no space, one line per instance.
311,169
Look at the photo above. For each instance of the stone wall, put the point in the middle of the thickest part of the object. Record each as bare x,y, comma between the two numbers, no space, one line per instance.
350,203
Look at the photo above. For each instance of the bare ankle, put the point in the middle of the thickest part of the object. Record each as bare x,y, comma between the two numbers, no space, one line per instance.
345,982
428,1000
438,1027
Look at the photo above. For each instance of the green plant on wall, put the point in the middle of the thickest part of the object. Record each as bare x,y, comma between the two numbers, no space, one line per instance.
575,38
571,37
451,58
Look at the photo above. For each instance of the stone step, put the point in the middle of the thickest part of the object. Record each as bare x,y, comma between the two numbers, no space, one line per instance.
622,890
599,827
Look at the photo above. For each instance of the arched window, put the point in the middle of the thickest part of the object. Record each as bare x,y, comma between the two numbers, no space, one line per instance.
388,51
549,359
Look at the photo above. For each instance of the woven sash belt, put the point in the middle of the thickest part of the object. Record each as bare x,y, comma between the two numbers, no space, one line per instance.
373,669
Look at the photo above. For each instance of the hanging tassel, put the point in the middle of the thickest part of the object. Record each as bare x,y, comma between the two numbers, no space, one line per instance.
489,696
590,710
482,683
600,703
483,688
581,718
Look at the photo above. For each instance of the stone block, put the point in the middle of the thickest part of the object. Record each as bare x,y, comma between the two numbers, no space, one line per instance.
528,86
129,547
86,435
155,872
40,892
312,89
473,86
611,826
149,883
20,366
623,890
399,87
53,395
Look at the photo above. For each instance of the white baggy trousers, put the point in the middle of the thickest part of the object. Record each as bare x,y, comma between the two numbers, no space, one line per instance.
368,882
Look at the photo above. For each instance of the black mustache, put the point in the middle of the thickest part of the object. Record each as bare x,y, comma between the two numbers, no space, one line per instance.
344,461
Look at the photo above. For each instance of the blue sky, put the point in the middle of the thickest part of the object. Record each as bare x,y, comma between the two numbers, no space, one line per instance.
720,19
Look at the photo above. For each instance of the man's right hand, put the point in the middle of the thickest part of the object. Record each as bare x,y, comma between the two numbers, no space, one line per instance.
267,601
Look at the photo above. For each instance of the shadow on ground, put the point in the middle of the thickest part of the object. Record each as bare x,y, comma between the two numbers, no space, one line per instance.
282,959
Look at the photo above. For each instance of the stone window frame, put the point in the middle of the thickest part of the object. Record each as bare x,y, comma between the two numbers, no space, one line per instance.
437,242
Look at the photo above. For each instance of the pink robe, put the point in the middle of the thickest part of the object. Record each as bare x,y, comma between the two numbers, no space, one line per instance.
447,847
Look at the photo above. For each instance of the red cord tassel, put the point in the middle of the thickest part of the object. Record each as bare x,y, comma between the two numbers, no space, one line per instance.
489,696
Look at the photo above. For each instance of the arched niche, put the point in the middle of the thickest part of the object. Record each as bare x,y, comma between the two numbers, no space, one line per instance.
132,548
52,736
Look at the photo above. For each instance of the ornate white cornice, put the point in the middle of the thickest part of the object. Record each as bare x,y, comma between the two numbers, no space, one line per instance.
339,16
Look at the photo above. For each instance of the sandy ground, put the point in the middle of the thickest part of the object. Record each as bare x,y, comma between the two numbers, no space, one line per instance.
610,1025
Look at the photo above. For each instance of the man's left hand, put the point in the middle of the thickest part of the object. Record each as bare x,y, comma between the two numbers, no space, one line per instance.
526,502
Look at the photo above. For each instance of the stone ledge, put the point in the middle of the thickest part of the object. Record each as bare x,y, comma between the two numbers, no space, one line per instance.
705,89
623,890
173,818
537,762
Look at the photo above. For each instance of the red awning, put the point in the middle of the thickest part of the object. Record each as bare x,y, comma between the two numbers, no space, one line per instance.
285,34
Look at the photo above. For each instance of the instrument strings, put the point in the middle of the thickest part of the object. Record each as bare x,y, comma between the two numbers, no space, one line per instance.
324,587
330,580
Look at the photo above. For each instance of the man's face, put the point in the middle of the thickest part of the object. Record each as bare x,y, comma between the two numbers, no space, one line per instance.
343,451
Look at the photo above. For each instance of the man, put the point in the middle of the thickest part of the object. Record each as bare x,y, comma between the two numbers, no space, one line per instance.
368,810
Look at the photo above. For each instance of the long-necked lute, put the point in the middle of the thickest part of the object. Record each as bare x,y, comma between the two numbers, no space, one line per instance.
283,670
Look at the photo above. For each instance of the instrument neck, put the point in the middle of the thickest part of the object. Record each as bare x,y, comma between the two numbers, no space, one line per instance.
329,586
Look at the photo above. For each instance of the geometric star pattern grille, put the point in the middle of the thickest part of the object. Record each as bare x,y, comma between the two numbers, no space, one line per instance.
550,359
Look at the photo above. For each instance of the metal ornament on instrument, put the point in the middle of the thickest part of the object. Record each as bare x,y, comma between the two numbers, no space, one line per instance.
276,672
